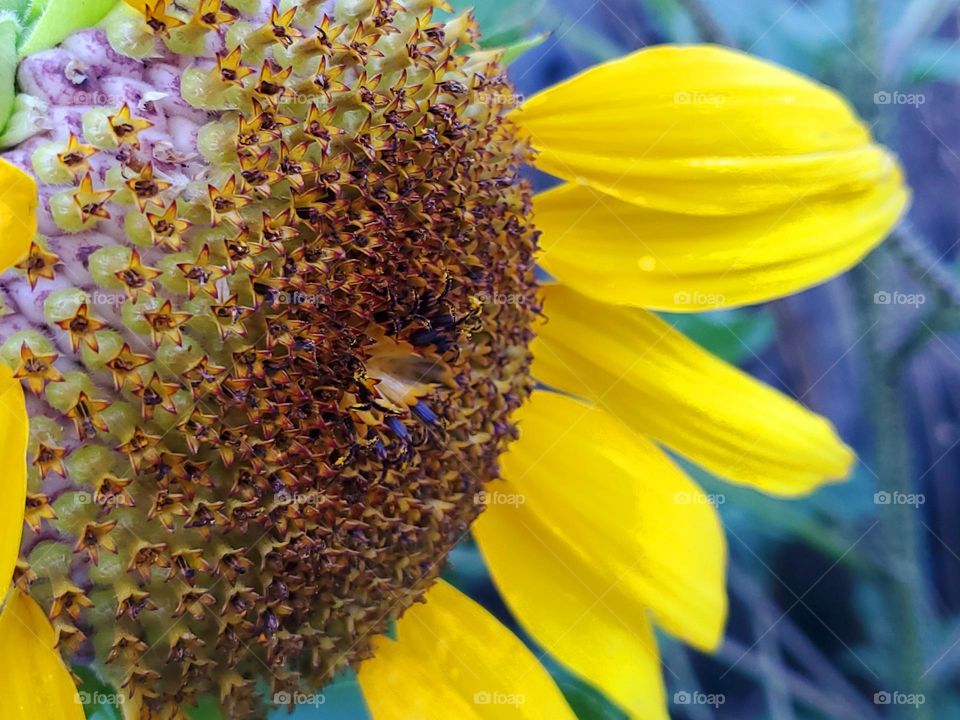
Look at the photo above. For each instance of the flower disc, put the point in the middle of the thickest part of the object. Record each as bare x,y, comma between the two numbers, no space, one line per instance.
274,328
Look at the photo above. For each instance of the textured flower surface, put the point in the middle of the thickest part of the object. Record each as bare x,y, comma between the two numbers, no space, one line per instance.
277,327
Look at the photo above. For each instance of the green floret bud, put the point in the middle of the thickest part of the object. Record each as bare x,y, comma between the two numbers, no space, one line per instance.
216,141
127,32
74,510
63,395
63,304
137,229
132,314
49,558
86,464
66,213
109,342
120,417
202,90
106,262
10,350
47,165
97,130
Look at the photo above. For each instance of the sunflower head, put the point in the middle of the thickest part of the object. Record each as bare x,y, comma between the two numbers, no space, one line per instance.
261,330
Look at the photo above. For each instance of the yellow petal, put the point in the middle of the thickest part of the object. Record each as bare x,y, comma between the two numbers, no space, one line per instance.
578,572
18,213
14,431
592,526
452,659
34,684
626,254
703,130
662,384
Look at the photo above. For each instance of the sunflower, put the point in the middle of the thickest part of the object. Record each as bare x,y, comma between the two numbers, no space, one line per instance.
273,340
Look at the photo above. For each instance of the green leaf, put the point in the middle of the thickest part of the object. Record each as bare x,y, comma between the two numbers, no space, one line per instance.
59,18
17,7
27,119
733,335
936,60
100,701
9,30
502,22
340,700
512,52
587,702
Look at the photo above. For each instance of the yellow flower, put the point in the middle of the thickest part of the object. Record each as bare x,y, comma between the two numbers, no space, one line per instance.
696,178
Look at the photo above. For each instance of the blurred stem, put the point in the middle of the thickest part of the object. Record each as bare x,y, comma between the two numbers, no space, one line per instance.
677,659
741,658
779,700
925,266
797,645
707,25
898,521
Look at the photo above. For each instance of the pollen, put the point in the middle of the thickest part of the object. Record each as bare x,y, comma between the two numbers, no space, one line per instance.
267,375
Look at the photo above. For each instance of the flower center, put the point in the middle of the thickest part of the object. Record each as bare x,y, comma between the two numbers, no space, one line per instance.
270,375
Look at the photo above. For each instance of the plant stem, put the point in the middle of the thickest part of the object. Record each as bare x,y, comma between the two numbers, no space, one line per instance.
806,692
923,263
708,27
898,520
